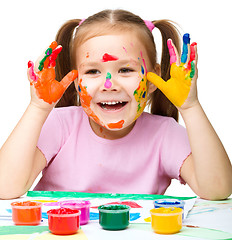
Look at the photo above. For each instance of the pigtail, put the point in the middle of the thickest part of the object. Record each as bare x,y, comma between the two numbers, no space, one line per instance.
64,37
160,104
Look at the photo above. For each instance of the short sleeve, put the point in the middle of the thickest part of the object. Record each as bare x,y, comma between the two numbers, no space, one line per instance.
175,149
50,139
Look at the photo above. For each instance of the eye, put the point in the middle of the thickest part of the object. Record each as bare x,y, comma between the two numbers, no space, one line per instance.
126,70
92,71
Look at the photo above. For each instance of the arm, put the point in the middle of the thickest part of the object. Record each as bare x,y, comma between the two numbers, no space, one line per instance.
20,159
208,169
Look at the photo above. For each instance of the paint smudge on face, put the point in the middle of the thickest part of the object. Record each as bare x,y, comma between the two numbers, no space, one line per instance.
87,55
141,53
140,94
124,49
106,58
116,125
85,99
108,84
142,70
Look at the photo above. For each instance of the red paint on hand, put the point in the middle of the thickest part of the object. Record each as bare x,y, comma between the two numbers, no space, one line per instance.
192,54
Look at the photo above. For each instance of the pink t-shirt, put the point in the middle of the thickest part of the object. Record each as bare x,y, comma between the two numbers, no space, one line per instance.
142,162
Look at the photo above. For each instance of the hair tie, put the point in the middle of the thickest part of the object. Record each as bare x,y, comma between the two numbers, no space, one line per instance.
149,24
81,21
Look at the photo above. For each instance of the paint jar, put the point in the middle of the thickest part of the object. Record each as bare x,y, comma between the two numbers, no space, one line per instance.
26,213
114,217
81,205
166,220
63,221
169,203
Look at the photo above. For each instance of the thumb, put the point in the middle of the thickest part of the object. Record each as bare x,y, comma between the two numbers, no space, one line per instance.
69,78
156,80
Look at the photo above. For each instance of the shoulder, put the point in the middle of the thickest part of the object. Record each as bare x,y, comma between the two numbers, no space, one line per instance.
66,117
156,121
162,126
68,113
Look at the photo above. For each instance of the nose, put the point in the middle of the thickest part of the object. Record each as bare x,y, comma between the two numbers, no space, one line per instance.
109,84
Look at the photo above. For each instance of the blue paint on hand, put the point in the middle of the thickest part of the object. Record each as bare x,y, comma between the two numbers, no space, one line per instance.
186,41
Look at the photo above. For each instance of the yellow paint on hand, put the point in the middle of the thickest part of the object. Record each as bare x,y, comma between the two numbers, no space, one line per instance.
177,88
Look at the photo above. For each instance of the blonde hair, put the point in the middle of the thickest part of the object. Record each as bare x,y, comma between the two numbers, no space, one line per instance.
71,35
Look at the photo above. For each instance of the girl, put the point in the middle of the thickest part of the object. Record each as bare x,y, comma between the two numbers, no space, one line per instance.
108,144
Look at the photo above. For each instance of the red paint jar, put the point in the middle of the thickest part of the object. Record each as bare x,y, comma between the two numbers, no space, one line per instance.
26,213
63,221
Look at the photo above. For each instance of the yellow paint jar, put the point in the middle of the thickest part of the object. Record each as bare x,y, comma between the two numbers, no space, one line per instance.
166,220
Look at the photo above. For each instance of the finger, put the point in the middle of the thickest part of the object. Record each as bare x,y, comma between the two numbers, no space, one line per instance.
192,54
196,54
174,57
44,61
156,80
69,78
185,51
193,68
53,56
31,74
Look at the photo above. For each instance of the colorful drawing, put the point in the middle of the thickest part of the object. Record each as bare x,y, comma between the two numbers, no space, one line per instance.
128,203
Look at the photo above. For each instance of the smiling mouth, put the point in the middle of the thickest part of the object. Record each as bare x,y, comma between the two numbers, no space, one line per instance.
112,106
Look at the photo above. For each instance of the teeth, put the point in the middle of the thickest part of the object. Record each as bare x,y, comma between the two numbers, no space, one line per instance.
111,103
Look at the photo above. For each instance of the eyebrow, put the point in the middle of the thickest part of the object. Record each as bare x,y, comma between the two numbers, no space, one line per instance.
119,62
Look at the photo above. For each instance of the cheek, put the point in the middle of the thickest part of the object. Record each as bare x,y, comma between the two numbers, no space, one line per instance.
140,96
84,95
88,84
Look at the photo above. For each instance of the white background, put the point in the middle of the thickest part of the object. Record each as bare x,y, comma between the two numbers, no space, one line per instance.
27,28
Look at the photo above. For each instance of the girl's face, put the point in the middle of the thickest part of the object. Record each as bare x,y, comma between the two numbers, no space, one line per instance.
112,82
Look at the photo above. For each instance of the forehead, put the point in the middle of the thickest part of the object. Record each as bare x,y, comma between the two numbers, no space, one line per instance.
120,45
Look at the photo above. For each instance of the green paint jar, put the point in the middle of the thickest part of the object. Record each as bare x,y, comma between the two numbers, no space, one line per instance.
114,217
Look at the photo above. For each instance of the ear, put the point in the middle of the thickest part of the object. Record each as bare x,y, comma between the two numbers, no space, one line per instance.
157,71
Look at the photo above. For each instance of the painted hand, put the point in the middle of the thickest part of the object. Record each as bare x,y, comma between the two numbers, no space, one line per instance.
43,77
177,88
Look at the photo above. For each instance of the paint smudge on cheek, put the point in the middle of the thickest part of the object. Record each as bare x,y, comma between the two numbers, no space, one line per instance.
85,99
141,53
124,49
107,57
140,94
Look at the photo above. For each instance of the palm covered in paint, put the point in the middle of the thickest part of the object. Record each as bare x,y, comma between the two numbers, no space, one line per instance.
179,89
43,80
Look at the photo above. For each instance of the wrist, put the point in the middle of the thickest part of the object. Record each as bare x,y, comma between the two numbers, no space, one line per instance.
44,111
190,110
